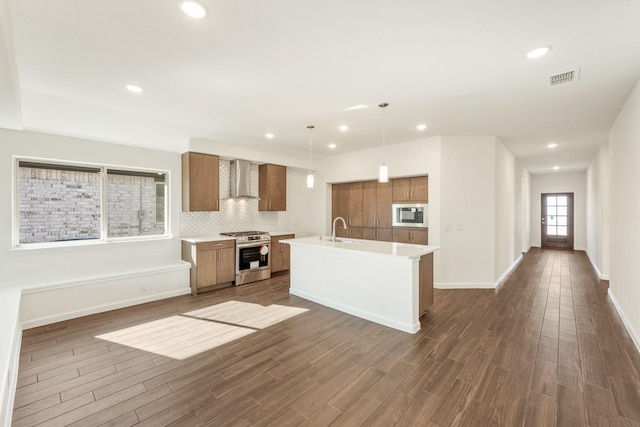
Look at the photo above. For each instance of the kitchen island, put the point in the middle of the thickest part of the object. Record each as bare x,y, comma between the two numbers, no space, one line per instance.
387,283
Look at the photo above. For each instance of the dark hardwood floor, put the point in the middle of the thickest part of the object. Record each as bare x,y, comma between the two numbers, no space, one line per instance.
546,348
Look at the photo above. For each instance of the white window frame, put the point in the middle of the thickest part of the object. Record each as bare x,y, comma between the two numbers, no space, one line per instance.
103,204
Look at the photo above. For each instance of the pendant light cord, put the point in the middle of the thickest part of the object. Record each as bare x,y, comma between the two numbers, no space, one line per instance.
310,127
383,106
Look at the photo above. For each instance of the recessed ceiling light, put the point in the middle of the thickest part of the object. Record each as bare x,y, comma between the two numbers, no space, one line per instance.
332,145
421,127
356,107
134,88
555,168
269,135
538,52
193,9
344,128
552,145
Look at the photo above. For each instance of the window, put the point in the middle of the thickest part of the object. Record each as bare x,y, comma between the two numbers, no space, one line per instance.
556,215
67,202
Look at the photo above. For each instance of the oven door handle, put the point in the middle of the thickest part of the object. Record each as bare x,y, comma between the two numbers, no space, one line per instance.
253,244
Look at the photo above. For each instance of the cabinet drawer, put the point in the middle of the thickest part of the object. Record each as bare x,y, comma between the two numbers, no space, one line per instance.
219,244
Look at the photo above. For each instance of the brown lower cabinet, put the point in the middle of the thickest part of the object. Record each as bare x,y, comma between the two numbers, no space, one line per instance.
417,236
425,286
382,234
213,264
353,232
280,253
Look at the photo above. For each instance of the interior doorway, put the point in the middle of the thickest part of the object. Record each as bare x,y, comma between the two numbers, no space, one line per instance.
557,220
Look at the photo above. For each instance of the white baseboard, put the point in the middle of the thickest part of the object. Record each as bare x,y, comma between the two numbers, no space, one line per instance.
509,269
55,302
479,285
595,267
47,320
11,337
405,327
625,320
465,285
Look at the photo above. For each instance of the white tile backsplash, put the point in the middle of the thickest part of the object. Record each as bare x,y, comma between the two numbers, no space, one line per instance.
234,214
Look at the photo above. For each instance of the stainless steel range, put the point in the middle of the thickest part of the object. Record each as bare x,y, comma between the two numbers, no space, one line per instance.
253,261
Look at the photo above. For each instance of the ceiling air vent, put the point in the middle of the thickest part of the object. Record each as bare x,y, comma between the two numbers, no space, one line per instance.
565,77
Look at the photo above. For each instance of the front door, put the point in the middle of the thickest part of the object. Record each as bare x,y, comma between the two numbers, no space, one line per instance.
557,220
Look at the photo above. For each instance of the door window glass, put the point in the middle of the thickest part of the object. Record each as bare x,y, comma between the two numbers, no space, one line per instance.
556,215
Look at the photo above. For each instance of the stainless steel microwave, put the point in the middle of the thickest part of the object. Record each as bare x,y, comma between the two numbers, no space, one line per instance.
410,215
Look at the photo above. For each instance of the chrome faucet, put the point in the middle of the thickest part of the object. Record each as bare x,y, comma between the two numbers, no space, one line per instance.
333,231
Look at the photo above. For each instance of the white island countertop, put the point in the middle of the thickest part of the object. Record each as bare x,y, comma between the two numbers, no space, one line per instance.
404,250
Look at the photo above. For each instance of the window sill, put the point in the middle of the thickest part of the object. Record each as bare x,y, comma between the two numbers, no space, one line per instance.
37,248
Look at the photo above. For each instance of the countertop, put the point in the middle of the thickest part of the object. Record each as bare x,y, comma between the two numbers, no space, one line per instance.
404,250
281,233
210,238
218,237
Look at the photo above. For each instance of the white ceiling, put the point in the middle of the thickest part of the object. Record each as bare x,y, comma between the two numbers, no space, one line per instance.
255,66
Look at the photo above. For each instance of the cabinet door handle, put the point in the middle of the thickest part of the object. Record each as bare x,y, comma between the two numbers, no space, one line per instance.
217,204
218,244
411,194
408,196
269,204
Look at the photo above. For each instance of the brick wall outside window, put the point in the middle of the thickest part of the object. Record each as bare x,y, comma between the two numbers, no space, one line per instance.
59,205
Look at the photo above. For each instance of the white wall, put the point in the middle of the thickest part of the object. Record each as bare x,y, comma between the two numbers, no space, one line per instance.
507,206
462,200
88,269
598,212
560,183
526,210
420,157
305,212
468,212
624,157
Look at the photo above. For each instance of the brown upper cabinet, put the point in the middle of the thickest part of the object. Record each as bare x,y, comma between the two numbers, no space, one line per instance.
376,204
411,189
349,203
272,188
200,182
376,210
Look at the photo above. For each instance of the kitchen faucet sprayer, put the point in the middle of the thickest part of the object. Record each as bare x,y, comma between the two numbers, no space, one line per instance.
333,230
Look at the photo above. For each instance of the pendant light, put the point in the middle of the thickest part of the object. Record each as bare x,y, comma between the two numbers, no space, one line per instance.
383,173
310,177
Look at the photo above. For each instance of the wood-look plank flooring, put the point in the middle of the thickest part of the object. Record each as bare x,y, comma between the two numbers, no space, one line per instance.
546,348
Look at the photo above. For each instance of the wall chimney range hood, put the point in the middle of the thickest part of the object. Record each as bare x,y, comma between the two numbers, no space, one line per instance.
241,179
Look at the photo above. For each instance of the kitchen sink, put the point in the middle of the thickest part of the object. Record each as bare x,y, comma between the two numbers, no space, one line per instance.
338,239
